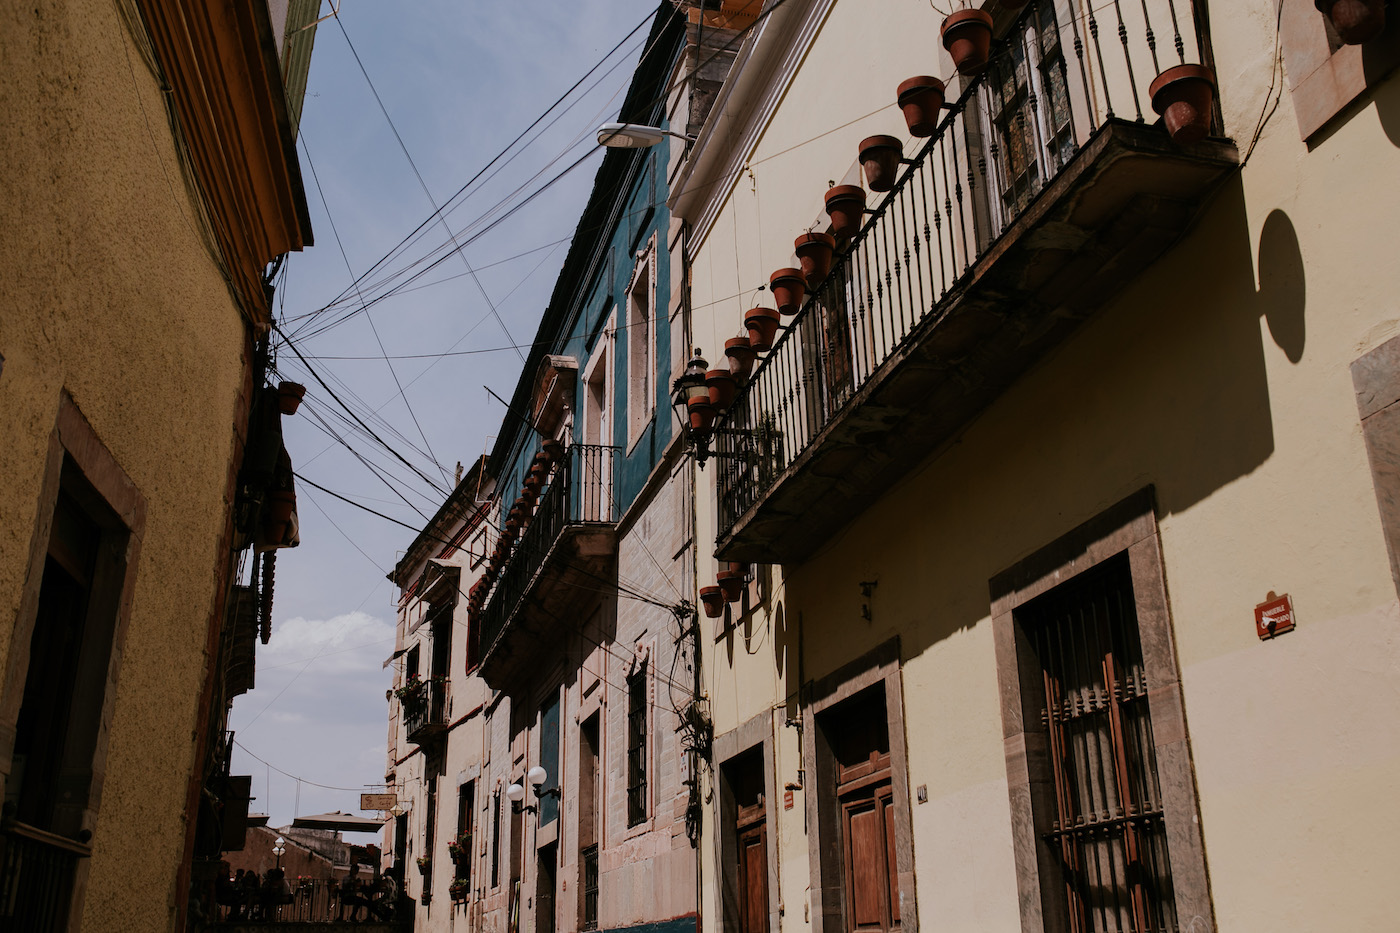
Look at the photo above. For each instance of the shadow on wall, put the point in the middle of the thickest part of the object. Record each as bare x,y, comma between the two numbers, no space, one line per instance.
1377,59
1283,286
1167,387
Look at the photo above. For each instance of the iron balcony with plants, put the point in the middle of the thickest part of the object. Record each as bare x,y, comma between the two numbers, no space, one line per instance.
1072,153
547,552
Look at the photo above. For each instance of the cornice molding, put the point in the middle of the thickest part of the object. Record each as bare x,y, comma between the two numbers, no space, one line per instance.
763,70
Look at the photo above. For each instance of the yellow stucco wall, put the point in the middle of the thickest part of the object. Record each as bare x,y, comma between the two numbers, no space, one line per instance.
1220,376
106,291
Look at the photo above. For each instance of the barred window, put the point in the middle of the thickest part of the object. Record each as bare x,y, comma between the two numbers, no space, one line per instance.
637,745
1106,823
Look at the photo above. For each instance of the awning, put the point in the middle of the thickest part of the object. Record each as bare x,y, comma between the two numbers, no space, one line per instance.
340,822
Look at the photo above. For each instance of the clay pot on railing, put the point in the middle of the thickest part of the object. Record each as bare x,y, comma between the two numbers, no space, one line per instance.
723,387
713,600
967,35
741,354
762,325
814,252
1183,95
880,157
538,474
845,205
1356,21
289,396
552,449
731,584
788,287
921,100
702,413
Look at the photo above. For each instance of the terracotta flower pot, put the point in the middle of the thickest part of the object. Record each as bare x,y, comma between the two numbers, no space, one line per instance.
879,156
723,387
541,460
967,35
921,99
713,600
289,396
552,449
731,584
740,353
702,413
1183,95
845,205
539,473
762,324
788,287
814,251
1356,21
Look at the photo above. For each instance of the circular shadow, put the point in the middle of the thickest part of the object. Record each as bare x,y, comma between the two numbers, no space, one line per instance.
1283,284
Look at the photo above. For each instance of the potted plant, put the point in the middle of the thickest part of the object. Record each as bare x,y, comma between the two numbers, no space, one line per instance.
459,848
723,388
740,353
1183,95
731,584
1356,21
845,205
788,287
967,35
762,325
712,599
410,694
425,864
459,889
702,413
814,252
921,100
880,157
289,396
553,449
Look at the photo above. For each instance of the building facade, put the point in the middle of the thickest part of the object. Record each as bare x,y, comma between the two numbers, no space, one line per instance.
150,181
1064,497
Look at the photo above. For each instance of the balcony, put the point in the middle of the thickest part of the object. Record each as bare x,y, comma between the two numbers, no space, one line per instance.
1042,193
565,555
425,709
37,869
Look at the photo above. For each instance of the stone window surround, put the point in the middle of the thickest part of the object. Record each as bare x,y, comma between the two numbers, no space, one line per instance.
1129,526
881,665
757,731
1323,83
74,443
1376,377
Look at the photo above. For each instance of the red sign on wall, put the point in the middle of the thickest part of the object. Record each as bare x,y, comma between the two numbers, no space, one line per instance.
1274,616
787,800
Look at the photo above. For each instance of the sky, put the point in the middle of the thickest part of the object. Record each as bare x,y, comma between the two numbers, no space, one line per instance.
459,81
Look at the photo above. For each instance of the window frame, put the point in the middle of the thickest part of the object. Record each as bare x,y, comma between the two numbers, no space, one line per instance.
641,388
1128,527
638,732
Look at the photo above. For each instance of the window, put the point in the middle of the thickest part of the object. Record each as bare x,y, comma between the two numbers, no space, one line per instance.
71,616
588,821
547,793
641,344
466,797
637,745
1106,825
496,839
1104,817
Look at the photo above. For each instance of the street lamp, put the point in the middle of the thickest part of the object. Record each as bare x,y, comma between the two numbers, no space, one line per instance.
536,776
279,848
634,135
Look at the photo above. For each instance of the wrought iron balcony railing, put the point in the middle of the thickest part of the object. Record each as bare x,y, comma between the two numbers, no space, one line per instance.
425,708
36,877
1060,78
579,493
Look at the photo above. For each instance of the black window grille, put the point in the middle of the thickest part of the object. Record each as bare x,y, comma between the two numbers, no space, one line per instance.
590,887
637,745
1106,828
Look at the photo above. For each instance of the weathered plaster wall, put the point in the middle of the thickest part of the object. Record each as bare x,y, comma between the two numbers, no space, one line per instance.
1221,377
107,291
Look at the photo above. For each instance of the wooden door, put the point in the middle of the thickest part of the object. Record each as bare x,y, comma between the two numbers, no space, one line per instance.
753,869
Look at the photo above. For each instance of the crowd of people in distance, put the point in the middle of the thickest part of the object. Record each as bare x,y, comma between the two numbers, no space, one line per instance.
248,897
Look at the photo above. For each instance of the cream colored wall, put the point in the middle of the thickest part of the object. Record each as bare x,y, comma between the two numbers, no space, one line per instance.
1193,381
106,291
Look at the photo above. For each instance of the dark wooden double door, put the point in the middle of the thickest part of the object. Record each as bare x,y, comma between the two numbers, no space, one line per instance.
868,845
